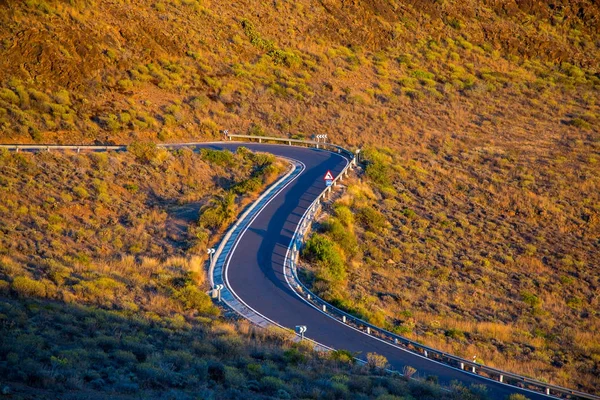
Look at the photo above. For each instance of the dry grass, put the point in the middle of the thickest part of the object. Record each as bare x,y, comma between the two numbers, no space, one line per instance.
404,67
487,133
481,256
93,228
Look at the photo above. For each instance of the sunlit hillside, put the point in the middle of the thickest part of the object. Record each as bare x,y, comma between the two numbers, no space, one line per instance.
477,217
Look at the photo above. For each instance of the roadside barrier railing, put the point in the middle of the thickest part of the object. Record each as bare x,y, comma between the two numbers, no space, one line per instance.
297,142
291,264
295,247
49,147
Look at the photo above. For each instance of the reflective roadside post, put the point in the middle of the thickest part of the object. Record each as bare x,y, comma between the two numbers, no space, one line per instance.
319,137
300,329
218,288
210,252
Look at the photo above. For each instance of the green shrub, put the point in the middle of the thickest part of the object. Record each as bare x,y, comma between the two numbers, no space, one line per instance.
62,97
256,130
9,96
81,192
342,236
27,287
217,213
294,356
251,185
423,75
132,187
530,299
270,384
234,378
39,97
342,356
580,123
144,152
193,298
109,122
372,219
321,250
574,302
24,101
455,334
377,169
375,360
344,215
217,157
125,84
408,213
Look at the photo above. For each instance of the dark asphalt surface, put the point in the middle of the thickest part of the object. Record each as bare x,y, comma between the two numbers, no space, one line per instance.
255,273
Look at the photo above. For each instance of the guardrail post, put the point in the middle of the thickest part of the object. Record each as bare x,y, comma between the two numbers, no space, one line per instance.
48,149
501,379
289,142
425,353
473,369
548,391
368,330
308,296
259,140
324,308
343,318
462,365
78,150
17,149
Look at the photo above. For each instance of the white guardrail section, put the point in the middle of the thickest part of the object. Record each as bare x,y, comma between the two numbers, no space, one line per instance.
48,147
357,323
230,239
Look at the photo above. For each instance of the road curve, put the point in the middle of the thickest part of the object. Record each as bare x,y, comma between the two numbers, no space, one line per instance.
255,273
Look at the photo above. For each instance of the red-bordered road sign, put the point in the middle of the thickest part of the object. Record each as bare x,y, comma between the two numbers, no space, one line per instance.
328,176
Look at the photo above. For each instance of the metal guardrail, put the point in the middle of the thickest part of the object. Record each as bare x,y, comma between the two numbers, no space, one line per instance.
425,351
49,147
310,143
370,329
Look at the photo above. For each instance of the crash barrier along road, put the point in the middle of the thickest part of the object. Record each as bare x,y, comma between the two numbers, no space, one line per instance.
254,269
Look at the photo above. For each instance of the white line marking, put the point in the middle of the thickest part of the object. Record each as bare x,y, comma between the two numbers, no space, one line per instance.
285,263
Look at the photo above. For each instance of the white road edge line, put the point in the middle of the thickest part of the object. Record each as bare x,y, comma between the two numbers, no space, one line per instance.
179,145
285,266
239,237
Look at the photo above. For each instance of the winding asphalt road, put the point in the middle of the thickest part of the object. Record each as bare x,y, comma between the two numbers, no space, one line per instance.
255,273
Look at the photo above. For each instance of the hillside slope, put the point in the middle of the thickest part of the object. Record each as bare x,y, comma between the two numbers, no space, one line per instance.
85,70
100,299
480,121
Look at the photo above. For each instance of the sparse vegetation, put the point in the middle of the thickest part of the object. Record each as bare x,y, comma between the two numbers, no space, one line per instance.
509,265
104,294
215,66
479,123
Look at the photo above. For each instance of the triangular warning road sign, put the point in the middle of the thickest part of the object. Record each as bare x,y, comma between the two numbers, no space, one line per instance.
328,176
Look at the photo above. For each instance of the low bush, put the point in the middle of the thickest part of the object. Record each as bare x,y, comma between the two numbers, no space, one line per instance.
27,287
321,250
